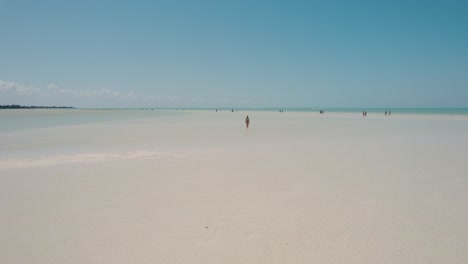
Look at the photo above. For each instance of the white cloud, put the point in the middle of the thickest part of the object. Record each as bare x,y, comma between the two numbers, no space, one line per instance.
52,87
53,90
53,94
172,98
6,86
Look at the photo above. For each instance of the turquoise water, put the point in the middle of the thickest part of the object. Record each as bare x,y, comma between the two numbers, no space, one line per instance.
419,111
21,119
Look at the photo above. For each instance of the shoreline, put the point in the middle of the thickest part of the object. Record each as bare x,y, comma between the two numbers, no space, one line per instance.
34,107
371,110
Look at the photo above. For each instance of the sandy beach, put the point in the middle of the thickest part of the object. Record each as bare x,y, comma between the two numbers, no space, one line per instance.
198,187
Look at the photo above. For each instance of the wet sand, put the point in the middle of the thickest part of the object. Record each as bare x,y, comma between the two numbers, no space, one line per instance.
200,188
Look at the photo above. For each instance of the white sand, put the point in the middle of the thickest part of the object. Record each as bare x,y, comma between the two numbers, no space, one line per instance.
199,188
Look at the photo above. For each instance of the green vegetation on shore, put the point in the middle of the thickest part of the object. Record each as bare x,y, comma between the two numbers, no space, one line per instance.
31,107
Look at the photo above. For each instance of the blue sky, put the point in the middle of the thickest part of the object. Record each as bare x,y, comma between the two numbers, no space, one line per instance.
234,54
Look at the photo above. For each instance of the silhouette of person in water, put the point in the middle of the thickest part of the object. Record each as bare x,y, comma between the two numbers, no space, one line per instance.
247,122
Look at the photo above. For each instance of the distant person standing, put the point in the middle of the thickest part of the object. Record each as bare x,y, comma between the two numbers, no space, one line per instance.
247,122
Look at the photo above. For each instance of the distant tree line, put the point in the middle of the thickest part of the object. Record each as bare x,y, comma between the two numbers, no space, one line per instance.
31,107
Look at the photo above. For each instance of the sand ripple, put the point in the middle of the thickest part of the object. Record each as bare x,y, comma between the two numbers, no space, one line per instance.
22,163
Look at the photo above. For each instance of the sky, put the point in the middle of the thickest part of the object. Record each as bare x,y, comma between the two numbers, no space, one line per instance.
234,53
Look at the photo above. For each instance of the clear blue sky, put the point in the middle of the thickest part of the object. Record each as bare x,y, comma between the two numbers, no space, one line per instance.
234,54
